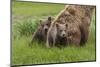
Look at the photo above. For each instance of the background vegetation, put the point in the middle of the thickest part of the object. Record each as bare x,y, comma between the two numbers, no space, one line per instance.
25,19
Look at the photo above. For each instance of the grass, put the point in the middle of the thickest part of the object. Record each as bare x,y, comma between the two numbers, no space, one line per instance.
26,18
34,9
38,54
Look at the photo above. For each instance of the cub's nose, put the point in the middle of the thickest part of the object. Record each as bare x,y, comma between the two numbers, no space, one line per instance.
46,30
64,35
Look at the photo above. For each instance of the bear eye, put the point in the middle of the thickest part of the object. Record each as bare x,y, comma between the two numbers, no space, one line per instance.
60,30
47,24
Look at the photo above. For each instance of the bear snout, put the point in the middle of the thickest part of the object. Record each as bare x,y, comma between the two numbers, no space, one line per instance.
46,30
63,34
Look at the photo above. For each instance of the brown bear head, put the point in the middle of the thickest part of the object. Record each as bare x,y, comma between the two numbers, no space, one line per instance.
45,24
61,30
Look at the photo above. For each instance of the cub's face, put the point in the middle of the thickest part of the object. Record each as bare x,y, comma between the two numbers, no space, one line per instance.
45,24
61,30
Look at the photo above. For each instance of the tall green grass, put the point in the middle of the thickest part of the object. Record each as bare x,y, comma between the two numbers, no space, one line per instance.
38,53
22,30
25,27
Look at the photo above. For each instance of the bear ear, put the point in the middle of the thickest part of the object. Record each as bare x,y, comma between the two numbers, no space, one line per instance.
72,11
57,25
41,23
49,18
66,25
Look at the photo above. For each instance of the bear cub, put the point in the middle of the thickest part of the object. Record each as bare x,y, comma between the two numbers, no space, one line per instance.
57,35
41,33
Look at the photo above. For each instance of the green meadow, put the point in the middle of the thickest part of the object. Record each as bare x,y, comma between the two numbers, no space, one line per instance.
25,19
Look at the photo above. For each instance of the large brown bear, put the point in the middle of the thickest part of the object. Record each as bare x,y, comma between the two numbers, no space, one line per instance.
84,14
41,33
78,19
73,34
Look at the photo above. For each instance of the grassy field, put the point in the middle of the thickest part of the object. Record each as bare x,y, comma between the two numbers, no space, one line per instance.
25,18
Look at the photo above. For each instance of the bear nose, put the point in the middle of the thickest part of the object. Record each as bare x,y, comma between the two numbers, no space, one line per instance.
46,30
63,35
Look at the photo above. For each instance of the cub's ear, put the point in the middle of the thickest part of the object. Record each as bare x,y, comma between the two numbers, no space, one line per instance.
41,23
49,18
57,25
66,25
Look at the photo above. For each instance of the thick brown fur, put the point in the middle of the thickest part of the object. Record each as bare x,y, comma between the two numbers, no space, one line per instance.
80,17
57,35
74,34
84,14
41,32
